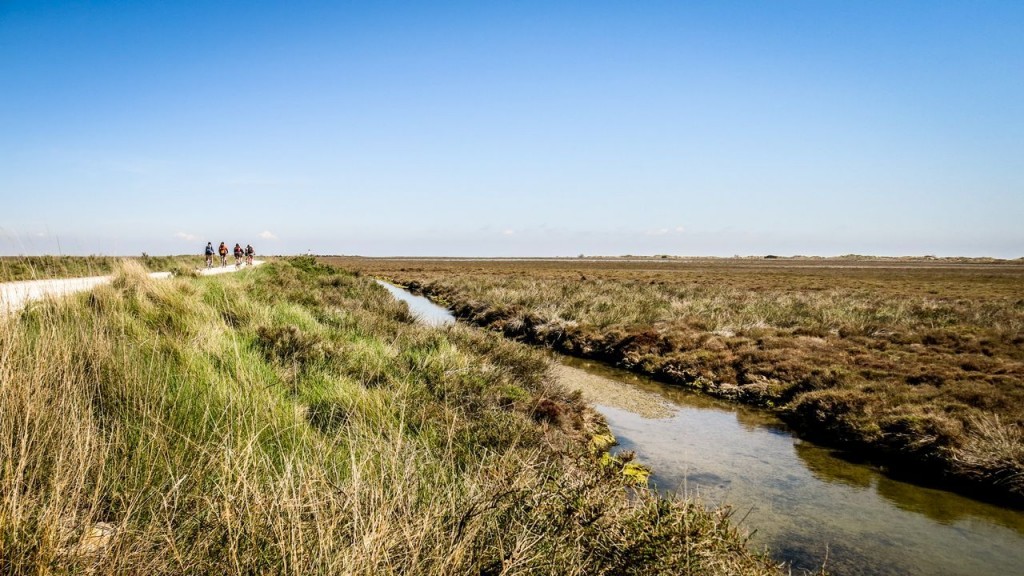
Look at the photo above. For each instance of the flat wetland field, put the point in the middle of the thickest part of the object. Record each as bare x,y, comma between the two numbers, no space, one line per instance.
914,363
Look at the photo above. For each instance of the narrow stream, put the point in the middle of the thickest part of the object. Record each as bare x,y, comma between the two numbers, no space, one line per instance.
798,499
422,308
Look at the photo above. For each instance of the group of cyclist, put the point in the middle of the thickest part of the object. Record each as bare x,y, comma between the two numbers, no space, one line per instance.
241,254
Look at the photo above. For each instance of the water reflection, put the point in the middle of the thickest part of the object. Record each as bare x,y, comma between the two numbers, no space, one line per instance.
806,505
826,466
941,506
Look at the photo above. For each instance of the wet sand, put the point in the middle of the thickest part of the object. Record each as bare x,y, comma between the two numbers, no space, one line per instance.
607,392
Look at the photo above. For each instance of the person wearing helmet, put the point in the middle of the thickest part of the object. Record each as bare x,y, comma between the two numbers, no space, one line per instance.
223,251
209,254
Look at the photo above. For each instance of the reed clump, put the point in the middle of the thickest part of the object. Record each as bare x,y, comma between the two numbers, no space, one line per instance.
294,419
900,360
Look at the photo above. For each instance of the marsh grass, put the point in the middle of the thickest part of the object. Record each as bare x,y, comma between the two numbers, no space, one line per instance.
901,360
17,268
294,419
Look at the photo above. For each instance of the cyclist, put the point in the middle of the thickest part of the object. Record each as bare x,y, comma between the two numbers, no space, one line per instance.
238,255
223,251
209,254
250,252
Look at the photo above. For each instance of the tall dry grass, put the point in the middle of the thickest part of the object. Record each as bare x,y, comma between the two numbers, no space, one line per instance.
295,420
17,268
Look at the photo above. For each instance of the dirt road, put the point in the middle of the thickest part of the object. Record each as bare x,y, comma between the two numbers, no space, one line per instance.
14,295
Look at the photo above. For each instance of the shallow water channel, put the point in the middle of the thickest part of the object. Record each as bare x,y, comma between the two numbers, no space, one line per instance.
799,499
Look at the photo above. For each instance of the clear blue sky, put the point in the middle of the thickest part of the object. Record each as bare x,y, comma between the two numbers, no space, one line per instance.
513,128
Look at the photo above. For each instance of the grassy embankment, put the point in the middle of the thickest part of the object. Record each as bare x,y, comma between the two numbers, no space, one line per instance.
16,268
918,364
295,419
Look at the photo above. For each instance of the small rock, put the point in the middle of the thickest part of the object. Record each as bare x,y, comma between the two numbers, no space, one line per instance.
97,537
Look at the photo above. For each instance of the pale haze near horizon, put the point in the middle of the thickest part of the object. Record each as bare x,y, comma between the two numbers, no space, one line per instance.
535,129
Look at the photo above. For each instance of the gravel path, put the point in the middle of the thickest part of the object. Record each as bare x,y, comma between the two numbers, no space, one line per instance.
14,295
